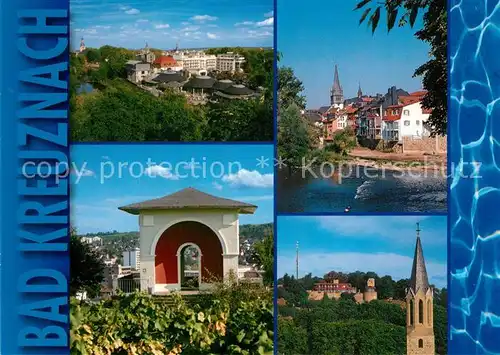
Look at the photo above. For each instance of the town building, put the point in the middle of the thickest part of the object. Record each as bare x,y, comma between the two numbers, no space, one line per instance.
230,62
95,241
146,55
419,307
188,218
407,118
167,63
132,258
137,71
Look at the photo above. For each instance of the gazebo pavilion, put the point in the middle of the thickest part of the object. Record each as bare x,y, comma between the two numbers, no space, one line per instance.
187,218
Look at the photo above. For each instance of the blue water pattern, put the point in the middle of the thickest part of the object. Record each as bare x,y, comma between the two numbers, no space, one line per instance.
474,131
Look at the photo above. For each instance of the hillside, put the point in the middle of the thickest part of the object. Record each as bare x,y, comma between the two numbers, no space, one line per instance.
115,243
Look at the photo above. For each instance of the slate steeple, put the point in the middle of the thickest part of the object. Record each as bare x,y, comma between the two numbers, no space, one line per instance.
419,279
336,93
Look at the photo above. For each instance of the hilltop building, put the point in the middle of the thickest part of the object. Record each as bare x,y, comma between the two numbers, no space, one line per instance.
419,307
334,289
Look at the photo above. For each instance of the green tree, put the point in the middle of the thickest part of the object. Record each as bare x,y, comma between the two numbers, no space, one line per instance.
433,32
87,267
293,137
93,55
264,257
290,89
292,339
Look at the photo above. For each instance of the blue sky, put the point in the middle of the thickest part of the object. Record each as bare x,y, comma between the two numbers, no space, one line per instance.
193,23
148,171
383,244
313,37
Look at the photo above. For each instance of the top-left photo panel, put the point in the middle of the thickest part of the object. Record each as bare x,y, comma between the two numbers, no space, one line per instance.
192,71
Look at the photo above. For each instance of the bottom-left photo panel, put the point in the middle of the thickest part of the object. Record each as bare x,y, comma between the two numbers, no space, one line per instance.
172,249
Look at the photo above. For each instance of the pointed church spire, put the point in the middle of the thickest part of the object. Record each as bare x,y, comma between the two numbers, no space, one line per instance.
360,93
336,80
336,94
419,279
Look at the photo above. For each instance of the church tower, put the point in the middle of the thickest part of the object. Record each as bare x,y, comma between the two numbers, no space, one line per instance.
360,93
82,46
336,93
419,307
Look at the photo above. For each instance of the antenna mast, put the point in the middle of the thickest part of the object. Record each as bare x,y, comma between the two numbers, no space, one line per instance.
297,261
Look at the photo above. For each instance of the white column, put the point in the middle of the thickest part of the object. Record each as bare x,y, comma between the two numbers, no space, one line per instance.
230,263
147,272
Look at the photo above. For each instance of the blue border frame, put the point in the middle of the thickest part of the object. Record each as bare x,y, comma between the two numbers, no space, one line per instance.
35,264
275,232
474,264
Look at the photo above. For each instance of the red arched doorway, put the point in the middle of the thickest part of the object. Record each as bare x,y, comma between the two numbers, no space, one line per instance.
183,233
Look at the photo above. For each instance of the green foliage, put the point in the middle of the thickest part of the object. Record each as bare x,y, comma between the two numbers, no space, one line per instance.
136,324
86,267
434,32
123,112
290,89
239,120
341,322
293,137
292,339
342,142
120,111
264,257
357,337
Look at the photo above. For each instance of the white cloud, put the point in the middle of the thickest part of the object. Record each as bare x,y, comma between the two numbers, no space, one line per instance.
212,35
246,178
244,23
269,14
142,20
103,27
217,186
266,22
162,25
190,28
132,11
203,18
185,23
258,34
395,265
158,170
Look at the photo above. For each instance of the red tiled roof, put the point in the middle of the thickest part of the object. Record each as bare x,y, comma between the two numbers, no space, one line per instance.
166,61
419,93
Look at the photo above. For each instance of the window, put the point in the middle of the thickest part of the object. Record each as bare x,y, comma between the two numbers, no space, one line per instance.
418,123
411,312
420,343
407,123
406,112
429,312
421,312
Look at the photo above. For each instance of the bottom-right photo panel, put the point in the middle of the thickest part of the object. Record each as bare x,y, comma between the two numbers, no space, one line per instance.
362,285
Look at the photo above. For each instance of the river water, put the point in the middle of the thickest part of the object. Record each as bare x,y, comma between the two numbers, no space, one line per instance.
363,189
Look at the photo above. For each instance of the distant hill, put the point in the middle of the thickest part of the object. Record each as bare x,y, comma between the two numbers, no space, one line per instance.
115,243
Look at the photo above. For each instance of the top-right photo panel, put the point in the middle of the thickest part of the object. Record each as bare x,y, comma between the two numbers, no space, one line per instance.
362,107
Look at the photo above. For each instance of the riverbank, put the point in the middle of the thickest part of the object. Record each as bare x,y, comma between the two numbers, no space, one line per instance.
418,162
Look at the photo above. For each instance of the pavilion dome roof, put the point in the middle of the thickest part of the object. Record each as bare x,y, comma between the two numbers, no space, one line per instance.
189,198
